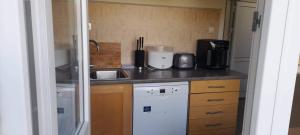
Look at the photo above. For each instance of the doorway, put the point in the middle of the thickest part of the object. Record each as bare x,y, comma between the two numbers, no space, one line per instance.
248,110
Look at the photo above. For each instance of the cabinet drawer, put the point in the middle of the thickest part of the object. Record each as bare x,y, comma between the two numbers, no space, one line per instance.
227,131
215,86
209,124
197,112
214,99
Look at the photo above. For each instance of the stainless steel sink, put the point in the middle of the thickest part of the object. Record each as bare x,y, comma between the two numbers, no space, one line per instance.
108,74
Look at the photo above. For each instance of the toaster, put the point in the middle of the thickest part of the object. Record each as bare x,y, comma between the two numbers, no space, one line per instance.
184,60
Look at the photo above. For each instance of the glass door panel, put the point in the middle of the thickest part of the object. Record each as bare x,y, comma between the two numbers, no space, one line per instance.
68,65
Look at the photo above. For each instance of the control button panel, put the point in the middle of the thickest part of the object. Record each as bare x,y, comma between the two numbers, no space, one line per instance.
162,91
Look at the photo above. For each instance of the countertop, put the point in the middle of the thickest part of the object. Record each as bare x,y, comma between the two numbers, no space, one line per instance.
172,75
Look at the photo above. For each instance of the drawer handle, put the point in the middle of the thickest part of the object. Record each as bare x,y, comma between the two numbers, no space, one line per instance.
217,87
214,125
215,100
212,113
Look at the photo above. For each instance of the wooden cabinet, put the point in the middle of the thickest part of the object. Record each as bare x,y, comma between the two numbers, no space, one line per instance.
213,107
111,109
221,98
226,131
214,86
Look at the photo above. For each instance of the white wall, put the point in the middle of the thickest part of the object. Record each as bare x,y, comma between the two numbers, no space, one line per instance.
15,112
299,67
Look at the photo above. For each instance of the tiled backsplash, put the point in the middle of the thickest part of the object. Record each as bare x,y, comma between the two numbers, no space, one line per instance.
160,25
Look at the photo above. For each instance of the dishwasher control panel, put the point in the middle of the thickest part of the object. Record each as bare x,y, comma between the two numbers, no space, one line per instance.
163,90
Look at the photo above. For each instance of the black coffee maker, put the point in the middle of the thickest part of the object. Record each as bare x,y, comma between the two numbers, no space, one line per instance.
212,54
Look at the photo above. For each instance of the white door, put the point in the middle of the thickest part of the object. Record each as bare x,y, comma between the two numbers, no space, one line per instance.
242,40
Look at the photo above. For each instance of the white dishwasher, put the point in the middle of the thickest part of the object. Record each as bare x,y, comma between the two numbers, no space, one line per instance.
160,108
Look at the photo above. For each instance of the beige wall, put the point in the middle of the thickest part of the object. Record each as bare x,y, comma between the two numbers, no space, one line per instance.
177,3
215,4
63,23
179,27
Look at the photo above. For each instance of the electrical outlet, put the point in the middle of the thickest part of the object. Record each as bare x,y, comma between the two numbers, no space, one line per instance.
211,30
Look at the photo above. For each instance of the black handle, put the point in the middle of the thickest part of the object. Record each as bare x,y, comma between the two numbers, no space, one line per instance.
214,125
216,112
218,87
215,100
137,44
142,44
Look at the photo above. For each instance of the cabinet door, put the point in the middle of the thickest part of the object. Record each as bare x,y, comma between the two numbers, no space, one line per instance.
224,98
209,86
242,37
111,108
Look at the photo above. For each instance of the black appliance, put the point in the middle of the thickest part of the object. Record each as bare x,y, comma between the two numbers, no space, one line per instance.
139,59
212,54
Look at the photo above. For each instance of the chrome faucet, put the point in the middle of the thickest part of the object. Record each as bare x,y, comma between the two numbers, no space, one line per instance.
96,44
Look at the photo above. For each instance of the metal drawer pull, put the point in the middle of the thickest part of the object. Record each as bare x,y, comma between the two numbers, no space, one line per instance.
214,125
212,113
215,100
219,87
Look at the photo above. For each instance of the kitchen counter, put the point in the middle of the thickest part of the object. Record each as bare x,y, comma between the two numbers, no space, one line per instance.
172,75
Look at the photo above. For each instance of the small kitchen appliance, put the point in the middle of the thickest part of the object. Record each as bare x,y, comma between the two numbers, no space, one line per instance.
160,57
184,60
160,108
212,54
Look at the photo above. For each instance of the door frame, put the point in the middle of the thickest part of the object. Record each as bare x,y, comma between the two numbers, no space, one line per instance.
42,28
15,93
45,70
288,71
275,38
274,79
